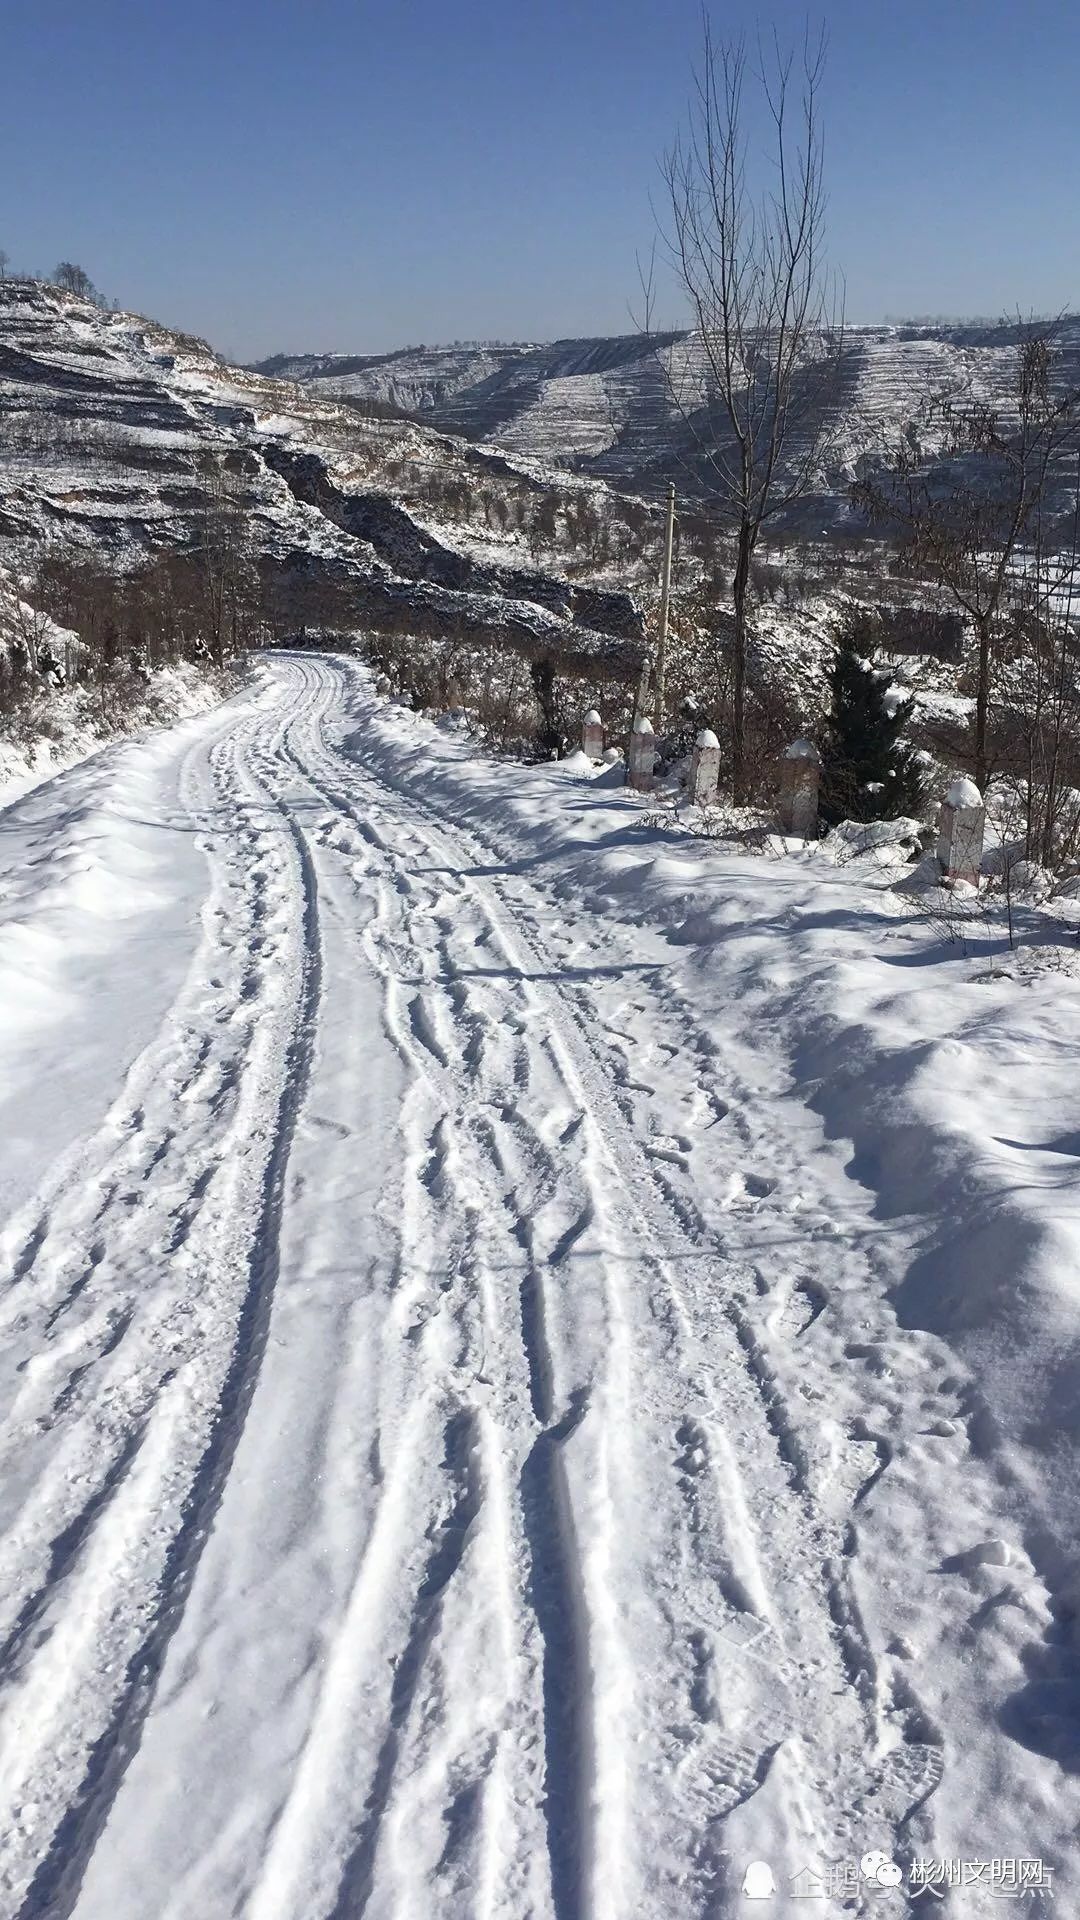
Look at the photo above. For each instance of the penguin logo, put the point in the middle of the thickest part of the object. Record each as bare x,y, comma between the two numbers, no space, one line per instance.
758,1882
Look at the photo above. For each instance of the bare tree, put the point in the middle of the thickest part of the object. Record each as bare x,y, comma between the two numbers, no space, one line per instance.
74,279
751,265
967,512
5,259
1039,691
228,583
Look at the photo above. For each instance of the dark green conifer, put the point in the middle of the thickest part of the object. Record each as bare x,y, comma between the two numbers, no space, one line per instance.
868,772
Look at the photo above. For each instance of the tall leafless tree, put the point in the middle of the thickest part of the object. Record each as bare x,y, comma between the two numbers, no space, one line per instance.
225,561
4,262
750,262
967,493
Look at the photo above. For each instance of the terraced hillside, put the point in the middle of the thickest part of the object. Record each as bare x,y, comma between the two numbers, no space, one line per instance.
634,411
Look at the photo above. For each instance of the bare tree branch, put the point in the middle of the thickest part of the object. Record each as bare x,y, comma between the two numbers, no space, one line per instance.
767,327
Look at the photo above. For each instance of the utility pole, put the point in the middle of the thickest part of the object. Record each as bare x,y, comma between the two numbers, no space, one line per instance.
665,603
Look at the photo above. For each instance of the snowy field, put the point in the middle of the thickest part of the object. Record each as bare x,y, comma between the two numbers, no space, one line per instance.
541,1355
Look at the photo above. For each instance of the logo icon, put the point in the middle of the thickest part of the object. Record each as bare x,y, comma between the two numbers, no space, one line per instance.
879,1870
758,1881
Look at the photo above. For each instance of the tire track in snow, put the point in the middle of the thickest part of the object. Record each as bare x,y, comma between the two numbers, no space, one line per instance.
522,1186
580,1865
448,1546
54,1886
119,1232
553,1576
824,1617
820,1553
326,1852
63,1549
555,1591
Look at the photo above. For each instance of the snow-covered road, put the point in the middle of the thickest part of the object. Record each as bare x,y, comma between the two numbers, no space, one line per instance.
433,1482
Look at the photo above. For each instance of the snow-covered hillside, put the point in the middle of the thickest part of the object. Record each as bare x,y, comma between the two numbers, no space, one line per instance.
539,1352
616,408
108,424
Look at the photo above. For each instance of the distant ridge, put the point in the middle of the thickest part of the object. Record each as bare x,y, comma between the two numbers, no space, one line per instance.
606,406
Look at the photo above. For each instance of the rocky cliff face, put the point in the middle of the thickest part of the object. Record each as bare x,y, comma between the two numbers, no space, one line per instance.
110,425
413,552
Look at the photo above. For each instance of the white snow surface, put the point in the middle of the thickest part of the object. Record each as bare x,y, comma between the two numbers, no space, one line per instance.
963,793
541,1355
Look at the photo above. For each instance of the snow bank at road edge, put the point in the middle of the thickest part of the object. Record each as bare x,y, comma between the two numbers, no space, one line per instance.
76,728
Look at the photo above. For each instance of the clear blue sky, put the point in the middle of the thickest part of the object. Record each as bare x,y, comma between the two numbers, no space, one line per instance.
340,174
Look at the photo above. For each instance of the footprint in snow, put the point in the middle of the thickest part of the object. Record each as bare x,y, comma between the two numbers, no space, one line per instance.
905,1779
673,1149
743,1188
758,1186
803,1302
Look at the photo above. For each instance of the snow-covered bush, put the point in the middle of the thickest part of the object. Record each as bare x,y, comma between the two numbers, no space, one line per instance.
898,840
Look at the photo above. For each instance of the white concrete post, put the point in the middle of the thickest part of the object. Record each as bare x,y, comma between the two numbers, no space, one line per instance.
382,684
960,832
592,735
800,778
705,768
642,755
